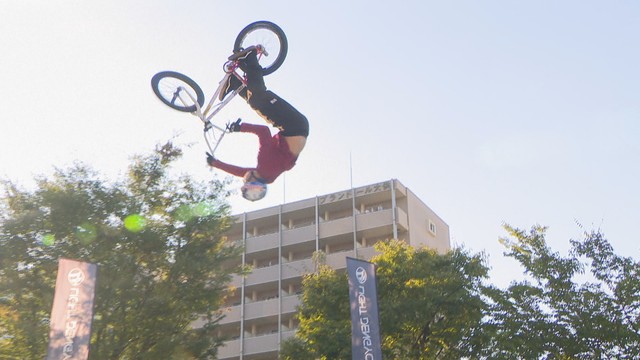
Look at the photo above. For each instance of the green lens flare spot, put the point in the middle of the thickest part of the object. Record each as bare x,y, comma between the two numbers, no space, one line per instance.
48,240
135,223
186,212
203,209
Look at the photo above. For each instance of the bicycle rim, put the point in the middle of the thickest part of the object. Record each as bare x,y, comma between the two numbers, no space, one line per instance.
177,91
271,37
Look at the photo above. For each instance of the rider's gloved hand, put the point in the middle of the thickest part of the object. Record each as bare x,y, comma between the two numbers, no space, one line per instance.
234,126
210,159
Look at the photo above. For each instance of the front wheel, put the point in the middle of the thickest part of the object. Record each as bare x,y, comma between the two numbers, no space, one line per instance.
271,37
177,91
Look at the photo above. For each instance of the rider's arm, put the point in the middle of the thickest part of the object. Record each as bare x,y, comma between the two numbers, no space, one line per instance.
231,169
264,136
263,132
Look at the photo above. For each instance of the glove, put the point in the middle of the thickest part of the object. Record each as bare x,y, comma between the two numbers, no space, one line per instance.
234,126
210,159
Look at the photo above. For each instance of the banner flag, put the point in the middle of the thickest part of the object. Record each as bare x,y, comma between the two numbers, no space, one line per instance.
72,311
365,327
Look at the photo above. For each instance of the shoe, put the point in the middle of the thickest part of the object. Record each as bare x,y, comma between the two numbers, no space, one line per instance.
232,84
248,60
242,53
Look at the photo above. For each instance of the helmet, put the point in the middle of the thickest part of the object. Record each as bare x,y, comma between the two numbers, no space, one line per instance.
254,190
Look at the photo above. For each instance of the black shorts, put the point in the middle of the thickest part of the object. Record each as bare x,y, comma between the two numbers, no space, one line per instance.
279,113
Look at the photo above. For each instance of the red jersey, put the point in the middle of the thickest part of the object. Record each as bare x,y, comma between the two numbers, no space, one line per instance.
274,156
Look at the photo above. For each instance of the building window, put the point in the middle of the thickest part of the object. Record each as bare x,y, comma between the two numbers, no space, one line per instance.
432,228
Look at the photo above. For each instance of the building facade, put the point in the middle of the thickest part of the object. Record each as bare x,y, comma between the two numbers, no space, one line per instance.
280,242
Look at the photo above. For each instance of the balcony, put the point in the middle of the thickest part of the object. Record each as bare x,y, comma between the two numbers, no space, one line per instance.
290,304
296,269
261,309
366,253
262,275
262,242
260,344
230,349
336,227
299,235
231,315
339,260
374,219
258,309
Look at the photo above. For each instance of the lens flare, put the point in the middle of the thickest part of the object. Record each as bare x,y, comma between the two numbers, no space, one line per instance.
185,212
203,209
48,240
135,223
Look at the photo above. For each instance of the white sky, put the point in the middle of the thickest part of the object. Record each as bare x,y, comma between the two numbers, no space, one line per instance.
490,111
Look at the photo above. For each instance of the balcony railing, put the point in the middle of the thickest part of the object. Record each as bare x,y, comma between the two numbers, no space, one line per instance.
262,242
262,275
261,309
295,269
253,345
230,349
336,227
258,309
374,219
299,235
260,344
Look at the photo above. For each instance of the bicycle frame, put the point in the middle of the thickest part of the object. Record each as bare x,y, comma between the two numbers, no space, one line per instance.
214,106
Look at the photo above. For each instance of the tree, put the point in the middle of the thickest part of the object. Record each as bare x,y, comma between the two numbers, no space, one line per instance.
430,307
325,324
555,314
582,306
158,242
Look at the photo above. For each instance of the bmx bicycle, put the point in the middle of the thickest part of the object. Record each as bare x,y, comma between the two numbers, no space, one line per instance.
181,93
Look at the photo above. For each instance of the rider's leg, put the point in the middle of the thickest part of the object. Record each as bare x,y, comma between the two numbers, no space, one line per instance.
248,62
232,84
267,104
279,113
252,68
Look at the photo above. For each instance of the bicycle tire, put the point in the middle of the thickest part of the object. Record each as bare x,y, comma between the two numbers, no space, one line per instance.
269,35
167,86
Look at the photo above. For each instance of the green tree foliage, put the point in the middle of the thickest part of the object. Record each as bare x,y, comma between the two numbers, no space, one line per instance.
585,305
157,240
325,323
430,307
582,306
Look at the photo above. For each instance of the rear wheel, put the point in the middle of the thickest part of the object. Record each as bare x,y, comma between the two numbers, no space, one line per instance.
271,37
177,91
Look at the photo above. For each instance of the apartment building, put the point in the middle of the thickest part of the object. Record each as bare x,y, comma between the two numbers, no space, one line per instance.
279,244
